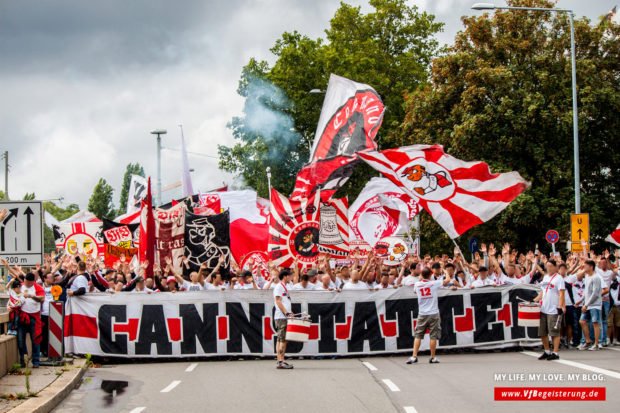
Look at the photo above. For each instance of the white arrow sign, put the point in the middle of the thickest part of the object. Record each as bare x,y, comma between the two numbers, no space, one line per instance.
21,233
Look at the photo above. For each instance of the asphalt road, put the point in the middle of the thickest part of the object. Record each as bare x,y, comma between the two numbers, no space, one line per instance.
460,383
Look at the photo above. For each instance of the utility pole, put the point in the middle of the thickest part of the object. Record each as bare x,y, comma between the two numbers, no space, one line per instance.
159,132
6,175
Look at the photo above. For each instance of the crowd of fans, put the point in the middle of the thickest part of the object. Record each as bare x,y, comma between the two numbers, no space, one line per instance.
592,318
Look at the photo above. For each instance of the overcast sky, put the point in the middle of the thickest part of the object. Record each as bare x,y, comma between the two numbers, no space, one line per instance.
82,83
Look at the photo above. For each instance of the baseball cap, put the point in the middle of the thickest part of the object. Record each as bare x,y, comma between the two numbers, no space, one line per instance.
170,279
312,273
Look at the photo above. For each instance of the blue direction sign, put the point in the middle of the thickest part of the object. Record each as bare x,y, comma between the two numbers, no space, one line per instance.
473,245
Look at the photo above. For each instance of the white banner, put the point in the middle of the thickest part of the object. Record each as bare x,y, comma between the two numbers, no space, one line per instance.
216,323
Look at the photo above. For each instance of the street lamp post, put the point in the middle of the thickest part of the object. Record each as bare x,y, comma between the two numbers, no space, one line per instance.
489,6
159,132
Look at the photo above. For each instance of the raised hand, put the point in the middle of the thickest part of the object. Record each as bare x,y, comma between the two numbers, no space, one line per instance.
483,248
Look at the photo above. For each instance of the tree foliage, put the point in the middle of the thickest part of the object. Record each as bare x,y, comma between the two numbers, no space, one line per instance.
131,169
502,94
100,202
389,48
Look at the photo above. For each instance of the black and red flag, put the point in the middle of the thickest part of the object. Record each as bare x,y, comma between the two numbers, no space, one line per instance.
350,118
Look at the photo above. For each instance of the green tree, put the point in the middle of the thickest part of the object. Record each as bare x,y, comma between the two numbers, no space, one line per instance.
131,169
100,202
389,48
29,196
502,94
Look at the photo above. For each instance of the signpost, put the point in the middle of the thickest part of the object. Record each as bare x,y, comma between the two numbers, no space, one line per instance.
21,233
552,237
579,231
473,246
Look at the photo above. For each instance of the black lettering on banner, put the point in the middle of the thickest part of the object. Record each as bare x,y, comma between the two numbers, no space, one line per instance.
204,329
327,314
366,327
108,341
449,307
516,330
153,331
404,312
240,326
485,312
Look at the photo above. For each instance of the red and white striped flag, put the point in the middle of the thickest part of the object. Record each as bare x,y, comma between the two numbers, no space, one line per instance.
457,194
294,230
614,237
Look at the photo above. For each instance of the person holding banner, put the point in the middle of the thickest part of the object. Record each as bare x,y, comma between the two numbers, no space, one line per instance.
428,314
552,307
283,311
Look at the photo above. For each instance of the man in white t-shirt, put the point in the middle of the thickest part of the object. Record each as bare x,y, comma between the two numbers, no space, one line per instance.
304,284
80,284
326,284
483,279
607,276
428,314
552,306
48,281
283,311
33,295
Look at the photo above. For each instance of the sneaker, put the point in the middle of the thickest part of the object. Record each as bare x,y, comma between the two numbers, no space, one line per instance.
600,346
553,356
605,343
584,346
412,360
563,343
617,343
285,365
433,360
544,356
595,347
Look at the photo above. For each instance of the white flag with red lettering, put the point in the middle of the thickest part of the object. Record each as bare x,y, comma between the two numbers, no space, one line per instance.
458,194
614,237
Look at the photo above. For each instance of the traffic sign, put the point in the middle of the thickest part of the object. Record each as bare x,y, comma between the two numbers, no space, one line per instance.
577,247
21,233
580,227
552,236
473,245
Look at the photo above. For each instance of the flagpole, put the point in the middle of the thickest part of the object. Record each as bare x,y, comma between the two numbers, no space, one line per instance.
268,169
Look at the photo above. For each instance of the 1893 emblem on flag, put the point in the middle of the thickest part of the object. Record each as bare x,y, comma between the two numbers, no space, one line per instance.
329,234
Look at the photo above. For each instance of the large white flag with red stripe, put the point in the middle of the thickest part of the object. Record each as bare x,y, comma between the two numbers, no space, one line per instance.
458,194
614,237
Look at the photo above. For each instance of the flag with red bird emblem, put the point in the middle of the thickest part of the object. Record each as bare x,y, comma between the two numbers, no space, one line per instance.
459,195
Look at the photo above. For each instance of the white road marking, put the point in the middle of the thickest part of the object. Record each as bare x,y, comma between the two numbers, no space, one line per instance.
609,373
369,366
171,386
410,409
390,384
613,348
137,410
191,367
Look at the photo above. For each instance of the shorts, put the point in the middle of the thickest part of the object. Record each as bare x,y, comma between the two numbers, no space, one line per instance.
281,329
432,322
549,325
591,314
614,317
